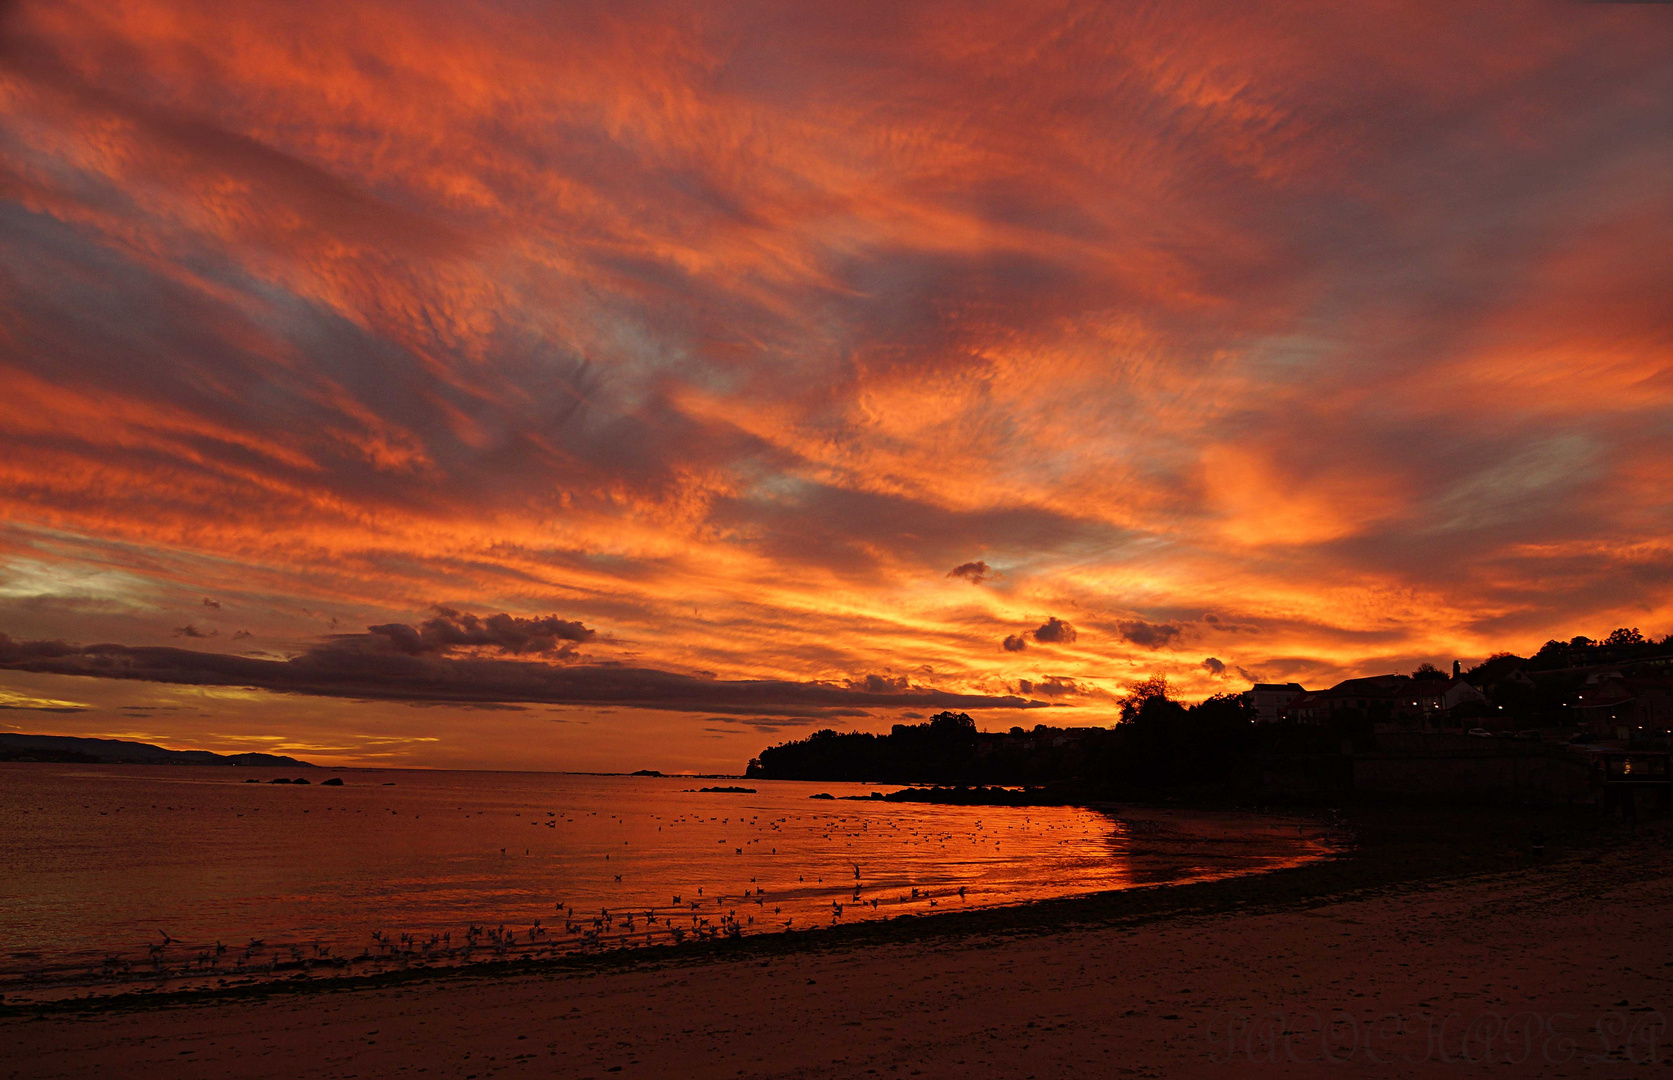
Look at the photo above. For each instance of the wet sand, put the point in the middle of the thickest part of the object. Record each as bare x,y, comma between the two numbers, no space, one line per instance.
1546,967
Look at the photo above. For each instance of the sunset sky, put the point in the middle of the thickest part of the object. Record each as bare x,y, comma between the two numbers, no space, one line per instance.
768,367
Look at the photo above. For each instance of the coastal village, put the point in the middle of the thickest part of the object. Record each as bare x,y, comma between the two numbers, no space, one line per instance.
1582,721
1626,701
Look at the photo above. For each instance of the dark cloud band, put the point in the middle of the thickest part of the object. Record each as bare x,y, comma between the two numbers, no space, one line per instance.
366,667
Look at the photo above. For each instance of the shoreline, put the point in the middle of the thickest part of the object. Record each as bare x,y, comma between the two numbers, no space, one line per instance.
1477,964
1393,860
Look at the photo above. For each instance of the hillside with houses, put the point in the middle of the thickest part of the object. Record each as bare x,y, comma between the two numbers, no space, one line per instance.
1582,720
1619,688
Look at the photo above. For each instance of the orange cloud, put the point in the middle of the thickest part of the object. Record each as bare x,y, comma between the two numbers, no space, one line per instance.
727,330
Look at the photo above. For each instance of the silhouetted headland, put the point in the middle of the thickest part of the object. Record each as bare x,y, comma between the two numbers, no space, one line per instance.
67,749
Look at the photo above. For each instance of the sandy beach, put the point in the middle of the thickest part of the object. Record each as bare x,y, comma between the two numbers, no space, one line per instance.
1556,970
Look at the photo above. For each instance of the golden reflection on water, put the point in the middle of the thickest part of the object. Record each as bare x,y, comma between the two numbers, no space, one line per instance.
400,867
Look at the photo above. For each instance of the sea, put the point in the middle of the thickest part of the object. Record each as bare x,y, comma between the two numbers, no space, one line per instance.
141,879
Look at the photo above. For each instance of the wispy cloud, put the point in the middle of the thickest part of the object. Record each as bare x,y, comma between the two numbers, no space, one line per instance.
726,330
11,699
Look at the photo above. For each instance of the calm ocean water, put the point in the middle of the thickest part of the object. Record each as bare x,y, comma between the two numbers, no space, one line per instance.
102,863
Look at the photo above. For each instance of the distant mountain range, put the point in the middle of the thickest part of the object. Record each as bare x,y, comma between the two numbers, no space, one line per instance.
66,749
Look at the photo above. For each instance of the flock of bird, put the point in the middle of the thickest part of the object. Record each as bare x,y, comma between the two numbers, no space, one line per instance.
699,919
931,858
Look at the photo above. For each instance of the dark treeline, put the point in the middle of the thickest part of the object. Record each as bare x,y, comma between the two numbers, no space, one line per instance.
1159,743
1163,743
1622,646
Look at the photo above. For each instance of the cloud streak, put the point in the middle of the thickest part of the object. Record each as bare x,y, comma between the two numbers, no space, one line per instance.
370,667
